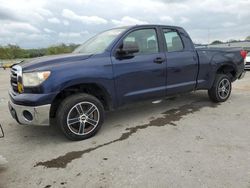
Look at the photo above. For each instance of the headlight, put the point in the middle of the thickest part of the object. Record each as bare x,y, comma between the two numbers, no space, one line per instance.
32,79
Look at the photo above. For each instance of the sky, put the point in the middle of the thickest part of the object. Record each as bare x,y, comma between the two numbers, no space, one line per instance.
42,23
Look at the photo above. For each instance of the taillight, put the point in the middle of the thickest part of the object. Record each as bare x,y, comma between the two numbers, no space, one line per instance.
243,54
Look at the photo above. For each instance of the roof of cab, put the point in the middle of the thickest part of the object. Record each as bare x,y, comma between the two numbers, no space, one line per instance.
151,25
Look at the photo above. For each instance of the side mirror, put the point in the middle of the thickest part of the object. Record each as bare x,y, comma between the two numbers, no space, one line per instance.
127,49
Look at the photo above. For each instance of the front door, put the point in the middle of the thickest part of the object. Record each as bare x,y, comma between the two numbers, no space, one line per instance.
142,75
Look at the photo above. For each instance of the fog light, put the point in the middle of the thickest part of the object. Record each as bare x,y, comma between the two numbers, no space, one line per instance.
27,115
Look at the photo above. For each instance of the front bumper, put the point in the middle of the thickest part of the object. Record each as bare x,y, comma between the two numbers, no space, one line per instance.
30,115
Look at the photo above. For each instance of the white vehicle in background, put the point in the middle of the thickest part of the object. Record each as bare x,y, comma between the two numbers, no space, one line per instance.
247,66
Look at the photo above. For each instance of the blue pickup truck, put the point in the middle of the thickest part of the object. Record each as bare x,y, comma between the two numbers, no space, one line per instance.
117,67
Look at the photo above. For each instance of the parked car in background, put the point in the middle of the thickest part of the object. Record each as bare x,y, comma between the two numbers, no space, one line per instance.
9,65
247,66
114,68
6,65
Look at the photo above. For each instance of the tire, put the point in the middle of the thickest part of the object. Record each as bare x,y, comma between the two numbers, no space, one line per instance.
80,116
221,88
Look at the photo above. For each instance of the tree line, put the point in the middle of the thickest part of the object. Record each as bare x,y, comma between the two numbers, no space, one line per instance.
15,52
232,40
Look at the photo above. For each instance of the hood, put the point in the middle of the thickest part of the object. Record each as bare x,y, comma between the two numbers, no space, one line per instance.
48,62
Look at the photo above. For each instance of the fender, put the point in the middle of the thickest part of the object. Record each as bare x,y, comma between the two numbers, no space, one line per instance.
219,60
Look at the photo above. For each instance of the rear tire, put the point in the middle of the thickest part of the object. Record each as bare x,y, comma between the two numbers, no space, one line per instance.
80,116
221,88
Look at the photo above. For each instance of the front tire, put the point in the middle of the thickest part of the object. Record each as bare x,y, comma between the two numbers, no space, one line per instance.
221,88
80,116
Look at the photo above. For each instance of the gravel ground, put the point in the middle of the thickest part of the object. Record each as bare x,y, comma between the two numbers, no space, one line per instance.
185,141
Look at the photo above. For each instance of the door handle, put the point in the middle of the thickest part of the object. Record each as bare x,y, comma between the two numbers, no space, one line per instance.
159,60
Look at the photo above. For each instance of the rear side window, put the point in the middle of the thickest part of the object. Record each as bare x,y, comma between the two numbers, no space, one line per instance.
146,40
173,40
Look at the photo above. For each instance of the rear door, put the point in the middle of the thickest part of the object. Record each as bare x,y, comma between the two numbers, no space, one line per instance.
182,63
143,75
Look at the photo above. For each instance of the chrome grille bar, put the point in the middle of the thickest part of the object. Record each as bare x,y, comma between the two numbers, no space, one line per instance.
16,77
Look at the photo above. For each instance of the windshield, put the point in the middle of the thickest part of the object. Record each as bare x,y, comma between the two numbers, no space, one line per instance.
99,43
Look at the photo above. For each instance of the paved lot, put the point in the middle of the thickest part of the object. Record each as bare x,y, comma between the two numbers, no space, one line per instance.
182,142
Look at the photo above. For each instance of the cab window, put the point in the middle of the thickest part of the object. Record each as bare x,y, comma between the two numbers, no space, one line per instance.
146,40
173,40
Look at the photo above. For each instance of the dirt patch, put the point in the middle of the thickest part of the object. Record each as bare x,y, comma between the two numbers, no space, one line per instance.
170,117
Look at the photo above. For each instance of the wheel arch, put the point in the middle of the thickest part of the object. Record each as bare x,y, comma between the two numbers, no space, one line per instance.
94,89
228,69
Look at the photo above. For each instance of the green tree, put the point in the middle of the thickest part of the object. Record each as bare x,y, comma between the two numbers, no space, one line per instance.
61,49
217,42
248,38
14,51
233,40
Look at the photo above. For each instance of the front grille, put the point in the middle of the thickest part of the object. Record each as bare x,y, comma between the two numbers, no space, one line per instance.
13,79
16,79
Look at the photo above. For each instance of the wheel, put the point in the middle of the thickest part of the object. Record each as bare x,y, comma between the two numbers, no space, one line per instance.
80,116
221,88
